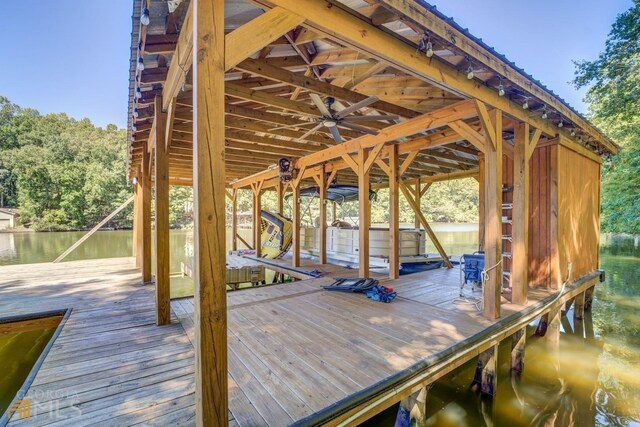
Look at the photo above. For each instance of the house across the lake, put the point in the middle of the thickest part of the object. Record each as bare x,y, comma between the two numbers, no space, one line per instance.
8,218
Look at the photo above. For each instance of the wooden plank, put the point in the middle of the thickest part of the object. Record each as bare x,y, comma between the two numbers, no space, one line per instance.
234,219
257,219
209,222
394,215
258,33
481,202
520,216
181,62
162,241
493,220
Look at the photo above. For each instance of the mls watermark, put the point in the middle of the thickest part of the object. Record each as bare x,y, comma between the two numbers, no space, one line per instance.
49,404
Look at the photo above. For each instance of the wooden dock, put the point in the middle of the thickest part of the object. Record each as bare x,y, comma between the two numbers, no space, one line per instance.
293,349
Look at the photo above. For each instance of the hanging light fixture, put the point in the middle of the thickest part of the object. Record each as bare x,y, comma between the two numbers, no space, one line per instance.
545,114
469,68
140,65
560,123
135,113
425,44
525,104
144,18
573,132
138,93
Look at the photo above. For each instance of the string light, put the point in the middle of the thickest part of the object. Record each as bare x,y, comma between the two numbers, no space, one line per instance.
544,112
525,104
500,87
425,45
573,132
560,123
138,93
144,18
469,69
140,64
135,113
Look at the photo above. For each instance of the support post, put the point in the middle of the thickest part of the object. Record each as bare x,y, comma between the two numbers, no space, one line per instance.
416,191
138,212
518,343
578,310
162,260
486,375
210,314
481,202
363,208
520,217
322,184
334,211
413,409
234,219
146,216
136,224
394,215
493,216
295,254
257,218
280,197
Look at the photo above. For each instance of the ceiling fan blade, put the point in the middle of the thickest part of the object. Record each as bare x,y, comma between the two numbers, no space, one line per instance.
292,126
355,107
359,128
335,133
371,118
321,107
309,132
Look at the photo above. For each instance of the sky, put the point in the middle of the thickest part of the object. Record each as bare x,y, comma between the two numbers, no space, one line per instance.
73,55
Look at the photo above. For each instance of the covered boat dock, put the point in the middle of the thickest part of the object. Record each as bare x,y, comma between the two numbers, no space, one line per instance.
377,93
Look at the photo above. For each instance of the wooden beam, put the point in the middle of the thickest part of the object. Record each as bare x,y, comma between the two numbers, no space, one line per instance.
322,184
481,202
520,216
423,221
407,162
258,33
418,196
470,134
422,16
163,250
257,217
493,219
234,219
351,30
364,207
145,180
181,61
394,214
295,250
261,68
210,314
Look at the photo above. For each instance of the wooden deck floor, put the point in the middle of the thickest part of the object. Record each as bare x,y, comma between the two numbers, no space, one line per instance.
293,348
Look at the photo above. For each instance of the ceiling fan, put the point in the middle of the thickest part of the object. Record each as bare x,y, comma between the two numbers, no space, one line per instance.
332,119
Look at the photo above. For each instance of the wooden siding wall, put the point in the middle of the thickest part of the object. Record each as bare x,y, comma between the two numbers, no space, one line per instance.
507,197
540,232
578,212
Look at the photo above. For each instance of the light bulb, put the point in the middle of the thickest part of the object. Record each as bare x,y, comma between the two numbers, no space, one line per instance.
573,132
500,90
525,105
138,93
135,113
140,64
470,73
544,114
560,124
144,18
134,128
429,50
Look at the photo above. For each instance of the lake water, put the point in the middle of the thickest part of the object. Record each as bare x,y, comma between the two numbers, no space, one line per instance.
594,380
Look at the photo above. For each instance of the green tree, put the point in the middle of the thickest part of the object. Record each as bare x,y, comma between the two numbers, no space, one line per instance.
613,96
